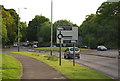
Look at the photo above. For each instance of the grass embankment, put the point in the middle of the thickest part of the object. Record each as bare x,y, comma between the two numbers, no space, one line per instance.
55,49
11,67
67,68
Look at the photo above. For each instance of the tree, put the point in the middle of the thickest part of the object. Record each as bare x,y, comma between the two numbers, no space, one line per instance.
33,27
16,18
23,31
101,27
44,32
9,23
3,32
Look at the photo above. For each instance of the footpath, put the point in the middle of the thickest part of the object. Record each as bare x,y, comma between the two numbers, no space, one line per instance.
35,69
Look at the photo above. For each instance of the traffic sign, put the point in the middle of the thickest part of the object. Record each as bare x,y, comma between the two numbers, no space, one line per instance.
59,36
67,34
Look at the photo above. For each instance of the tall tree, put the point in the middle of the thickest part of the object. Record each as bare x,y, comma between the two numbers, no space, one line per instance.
8,21
44,32
34,25
23,31
101,27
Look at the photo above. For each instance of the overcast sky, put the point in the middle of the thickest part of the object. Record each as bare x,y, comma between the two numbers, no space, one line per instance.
73,10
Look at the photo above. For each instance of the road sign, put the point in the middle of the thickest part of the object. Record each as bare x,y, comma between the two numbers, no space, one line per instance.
68,34
59,36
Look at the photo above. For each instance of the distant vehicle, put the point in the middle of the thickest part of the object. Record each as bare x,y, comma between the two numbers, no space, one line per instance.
35,46
53,46
84,47
68,53
101,48
25,44
15,45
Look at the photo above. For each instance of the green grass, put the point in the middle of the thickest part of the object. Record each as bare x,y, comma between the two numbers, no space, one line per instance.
67,68
11,67
55,49
0,64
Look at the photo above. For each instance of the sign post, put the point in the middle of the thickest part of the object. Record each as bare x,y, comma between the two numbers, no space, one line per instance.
67,34
73,52
60,36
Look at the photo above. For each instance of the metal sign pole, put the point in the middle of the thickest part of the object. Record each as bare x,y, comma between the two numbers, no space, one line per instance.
60,50
73,54
60,36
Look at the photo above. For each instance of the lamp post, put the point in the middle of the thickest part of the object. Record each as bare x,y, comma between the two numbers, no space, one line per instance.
51,27
18,45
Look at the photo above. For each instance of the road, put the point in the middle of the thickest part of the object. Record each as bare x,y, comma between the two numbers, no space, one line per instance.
98,60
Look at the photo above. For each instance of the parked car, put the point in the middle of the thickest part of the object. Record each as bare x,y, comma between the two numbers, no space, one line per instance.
68,53
101,48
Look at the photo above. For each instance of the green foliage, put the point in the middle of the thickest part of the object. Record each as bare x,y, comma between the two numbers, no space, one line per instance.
23,31
44,44
44,31
9,21
34,27
0,23
4,34
8,27
101,28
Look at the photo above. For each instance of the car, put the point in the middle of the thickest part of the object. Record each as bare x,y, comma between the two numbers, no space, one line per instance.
15,45
35,46
68,53
25,44
101,48
86,47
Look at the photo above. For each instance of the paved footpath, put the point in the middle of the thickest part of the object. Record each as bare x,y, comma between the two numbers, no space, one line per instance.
35,69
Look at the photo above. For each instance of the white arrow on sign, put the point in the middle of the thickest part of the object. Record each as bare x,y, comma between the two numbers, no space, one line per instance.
60,36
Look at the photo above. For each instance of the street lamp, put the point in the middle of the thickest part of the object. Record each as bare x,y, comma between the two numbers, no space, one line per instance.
19,28
51,27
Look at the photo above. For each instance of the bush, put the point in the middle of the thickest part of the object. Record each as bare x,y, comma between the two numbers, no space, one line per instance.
44,44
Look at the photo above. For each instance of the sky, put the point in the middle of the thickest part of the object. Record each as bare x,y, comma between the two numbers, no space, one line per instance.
71,10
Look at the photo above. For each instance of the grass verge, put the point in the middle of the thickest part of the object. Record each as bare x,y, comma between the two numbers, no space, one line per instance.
11,67
0,64
55,49
67,69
